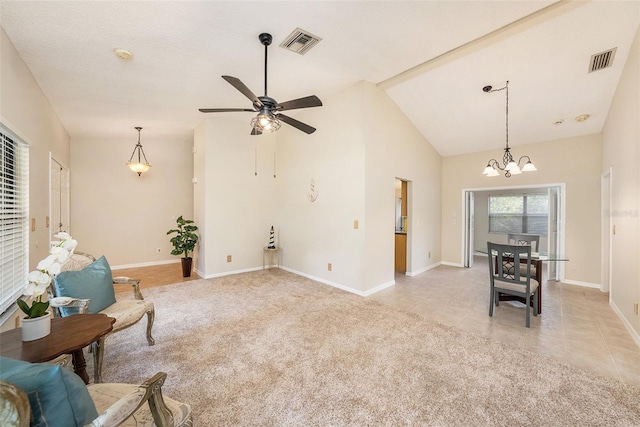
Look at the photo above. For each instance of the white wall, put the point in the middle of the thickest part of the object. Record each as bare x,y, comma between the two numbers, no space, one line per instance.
362,144
574,161
115,212
621,152
26,111
234,208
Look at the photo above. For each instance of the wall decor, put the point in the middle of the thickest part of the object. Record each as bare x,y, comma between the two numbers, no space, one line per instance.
313,194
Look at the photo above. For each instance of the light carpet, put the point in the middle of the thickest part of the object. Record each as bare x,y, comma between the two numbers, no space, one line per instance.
270,348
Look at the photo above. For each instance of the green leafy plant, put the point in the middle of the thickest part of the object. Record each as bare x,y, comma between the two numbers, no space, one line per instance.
184,242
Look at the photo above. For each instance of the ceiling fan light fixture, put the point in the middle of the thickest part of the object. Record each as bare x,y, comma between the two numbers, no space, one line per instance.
265,122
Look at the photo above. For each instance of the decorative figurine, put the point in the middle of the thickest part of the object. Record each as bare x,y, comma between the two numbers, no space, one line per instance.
272,239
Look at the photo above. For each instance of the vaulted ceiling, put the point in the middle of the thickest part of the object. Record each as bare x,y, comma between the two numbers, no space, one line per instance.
432,58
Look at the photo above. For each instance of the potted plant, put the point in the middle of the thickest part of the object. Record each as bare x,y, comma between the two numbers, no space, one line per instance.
37,323
184,242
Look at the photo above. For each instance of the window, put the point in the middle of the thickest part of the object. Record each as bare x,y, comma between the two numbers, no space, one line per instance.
14,217
528,213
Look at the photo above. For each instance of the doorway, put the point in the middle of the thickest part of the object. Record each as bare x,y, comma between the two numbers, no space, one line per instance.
476,228
59,198
401,225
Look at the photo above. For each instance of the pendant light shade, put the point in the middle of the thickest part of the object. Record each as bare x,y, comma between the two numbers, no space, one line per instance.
135,162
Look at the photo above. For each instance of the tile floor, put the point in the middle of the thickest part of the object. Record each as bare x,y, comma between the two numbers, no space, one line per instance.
577,325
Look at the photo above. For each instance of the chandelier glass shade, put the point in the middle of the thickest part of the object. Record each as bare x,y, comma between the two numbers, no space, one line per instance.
138,166
509,165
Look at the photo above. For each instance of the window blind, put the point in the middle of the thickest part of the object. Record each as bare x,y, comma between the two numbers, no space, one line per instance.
14,217
527,213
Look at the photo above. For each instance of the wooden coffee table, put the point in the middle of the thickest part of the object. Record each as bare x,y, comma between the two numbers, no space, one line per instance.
69,335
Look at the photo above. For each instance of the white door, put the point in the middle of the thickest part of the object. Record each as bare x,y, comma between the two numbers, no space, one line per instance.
605,232
553,242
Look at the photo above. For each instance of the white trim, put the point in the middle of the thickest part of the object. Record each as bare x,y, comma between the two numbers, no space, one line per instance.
342,287
422,270
580,283
452,264
625,322
228,273
144,264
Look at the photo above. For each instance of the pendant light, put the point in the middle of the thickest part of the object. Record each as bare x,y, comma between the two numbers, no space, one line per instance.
509,166
137,166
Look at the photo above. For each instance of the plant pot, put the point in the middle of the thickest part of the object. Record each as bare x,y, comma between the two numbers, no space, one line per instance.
34,329
186,266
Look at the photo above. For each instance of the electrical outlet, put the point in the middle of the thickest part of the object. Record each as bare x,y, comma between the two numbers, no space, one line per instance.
228,258
329,266
429,254
635,308
158,250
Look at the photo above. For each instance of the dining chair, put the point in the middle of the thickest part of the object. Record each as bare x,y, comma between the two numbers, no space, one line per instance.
521,239
506,278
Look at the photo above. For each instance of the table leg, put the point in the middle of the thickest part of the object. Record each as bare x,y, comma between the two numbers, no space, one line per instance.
539,279
80,365
98,351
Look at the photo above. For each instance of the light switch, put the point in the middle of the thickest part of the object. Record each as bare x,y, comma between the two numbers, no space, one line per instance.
355,224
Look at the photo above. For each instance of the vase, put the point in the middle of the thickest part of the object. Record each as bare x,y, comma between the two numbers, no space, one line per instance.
34,329
186,266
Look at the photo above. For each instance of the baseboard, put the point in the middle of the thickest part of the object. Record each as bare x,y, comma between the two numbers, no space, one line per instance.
422,270
580,283
145,264
625,322
228,273
451,264
342,287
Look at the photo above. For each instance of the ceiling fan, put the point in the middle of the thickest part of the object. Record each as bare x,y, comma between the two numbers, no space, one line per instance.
268,109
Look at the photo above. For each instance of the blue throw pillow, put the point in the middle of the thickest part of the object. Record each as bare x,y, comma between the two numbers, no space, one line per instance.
57,396
93,282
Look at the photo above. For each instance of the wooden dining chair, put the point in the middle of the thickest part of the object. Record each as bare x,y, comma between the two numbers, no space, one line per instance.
505,262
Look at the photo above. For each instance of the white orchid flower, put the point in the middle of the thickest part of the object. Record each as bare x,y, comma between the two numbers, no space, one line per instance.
62,236
54,269
46,263
61,254
35,289
70,245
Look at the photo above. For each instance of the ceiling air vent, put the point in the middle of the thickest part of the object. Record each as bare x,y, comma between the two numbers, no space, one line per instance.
602,60
300,41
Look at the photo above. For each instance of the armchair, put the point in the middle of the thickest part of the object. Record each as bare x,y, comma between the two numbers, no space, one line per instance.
54,396
86,286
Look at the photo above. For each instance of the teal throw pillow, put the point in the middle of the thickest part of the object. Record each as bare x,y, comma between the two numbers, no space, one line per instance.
57,396
93,282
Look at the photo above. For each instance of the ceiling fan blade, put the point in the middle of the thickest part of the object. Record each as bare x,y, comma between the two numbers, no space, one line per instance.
235,82
254,131
296,124
306,102
223,110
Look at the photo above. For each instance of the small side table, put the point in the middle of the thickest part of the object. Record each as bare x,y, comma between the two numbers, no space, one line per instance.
268,256
69,335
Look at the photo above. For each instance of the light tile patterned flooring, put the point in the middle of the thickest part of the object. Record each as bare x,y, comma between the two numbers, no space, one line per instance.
577,325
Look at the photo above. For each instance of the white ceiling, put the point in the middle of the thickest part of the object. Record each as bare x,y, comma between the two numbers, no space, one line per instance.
181,48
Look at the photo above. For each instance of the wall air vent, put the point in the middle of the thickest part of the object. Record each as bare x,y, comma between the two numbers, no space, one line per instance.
602,60
300,41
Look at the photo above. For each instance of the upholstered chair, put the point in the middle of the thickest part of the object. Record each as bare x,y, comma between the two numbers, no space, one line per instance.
86,286
56,397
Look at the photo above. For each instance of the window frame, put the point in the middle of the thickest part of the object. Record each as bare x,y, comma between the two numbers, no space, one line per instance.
14,218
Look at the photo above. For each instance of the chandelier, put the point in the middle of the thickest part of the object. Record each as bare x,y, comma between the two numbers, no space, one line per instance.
509,166
138,167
